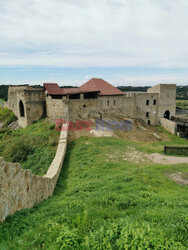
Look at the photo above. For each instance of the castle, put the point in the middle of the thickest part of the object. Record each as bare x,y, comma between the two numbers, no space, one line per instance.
94,99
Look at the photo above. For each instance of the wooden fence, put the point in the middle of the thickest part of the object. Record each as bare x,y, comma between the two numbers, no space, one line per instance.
175,150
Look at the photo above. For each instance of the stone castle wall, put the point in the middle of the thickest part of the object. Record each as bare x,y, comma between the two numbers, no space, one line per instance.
33,102
169,125
20,189
146,106
38,103
167,99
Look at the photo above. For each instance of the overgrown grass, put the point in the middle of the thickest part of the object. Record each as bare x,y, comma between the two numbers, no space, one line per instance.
6,116
99,204
2,101
34,147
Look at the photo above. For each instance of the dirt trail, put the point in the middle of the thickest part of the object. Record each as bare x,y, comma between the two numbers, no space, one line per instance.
164,159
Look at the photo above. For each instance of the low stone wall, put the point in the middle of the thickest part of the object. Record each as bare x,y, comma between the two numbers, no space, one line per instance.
169,125
20,189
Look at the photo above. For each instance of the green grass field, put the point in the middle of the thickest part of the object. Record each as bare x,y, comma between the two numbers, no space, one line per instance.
182,104
100,203
34,147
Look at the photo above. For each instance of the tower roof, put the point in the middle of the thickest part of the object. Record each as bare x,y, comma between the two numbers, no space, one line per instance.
99,85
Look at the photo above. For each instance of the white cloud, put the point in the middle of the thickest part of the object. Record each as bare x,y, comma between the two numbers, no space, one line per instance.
79,33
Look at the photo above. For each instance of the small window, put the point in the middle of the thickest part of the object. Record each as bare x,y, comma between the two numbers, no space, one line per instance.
108,103
84,106
147,114
114,102
147,102
149,122
154,102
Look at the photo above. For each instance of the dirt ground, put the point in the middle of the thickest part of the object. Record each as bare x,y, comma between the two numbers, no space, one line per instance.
138,133
164,159
179,177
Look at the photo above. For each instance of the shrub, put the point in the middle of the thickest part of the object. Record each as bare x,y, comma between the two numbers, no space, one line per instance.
7,116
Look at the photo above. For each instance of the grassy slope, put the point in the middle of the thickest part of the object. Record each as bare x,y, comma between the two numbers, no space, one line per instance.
6,116
34,147
105,205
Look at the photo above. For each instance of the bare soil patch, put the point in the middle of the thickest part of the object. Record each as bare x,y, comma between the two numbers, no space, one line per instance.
179,177
164,159
131,155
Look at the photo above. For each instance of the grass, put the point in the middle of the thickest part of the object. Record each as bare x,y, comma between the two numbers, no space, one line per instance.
2,101
34,146
6,116
101,204
183,104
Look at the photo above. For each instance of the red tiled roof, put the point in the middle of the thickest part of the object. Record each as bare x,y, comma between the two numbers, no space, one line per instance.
69,91
97,84
53,89
93,85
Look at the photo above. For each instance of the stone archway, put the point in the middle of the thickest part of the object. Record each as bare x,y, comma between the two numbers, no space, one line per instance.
21,108
167,114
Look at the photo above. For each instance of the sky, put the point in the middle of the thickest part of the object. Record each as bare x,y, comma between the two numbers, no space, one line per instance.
126,42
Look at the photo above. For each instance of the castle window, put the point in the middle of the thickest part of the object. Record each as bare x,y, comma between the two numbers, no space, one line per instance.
84,106
147,102
114,102
56,96
149,122
147,114
154,102
21,107
92,95
75,96
108,103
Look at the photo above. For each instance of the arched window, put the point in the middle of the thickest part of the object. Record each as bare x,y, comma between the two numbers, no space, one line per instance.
167,114
21,107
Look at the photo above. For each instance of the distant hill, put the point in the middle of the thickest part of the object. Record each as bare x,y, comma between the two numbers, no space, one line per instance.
181,92
4,92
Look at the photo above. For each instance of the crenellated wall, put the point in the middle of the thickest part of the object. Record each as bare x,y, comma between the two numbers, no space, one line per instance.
20,189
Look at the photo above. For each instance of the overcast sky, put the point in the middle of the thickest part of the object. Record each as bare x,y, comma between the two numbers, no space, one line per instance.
131,42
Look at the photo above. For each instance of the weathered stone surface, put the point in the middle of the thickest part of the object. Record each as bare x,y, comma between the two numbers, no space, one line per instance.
14,125
20,189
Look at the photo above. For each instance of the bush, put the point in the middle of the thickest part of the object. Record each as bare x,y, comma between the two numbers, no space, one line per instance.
7,116
19,150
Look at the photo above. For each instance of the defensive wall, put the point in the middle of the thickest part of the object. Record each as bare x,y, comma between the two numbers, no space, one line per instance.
31,104
169,125
27,103
20,189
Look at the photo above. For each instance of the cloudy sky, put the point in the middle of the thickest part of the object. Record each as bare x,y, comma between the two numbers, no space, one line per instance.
127,42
